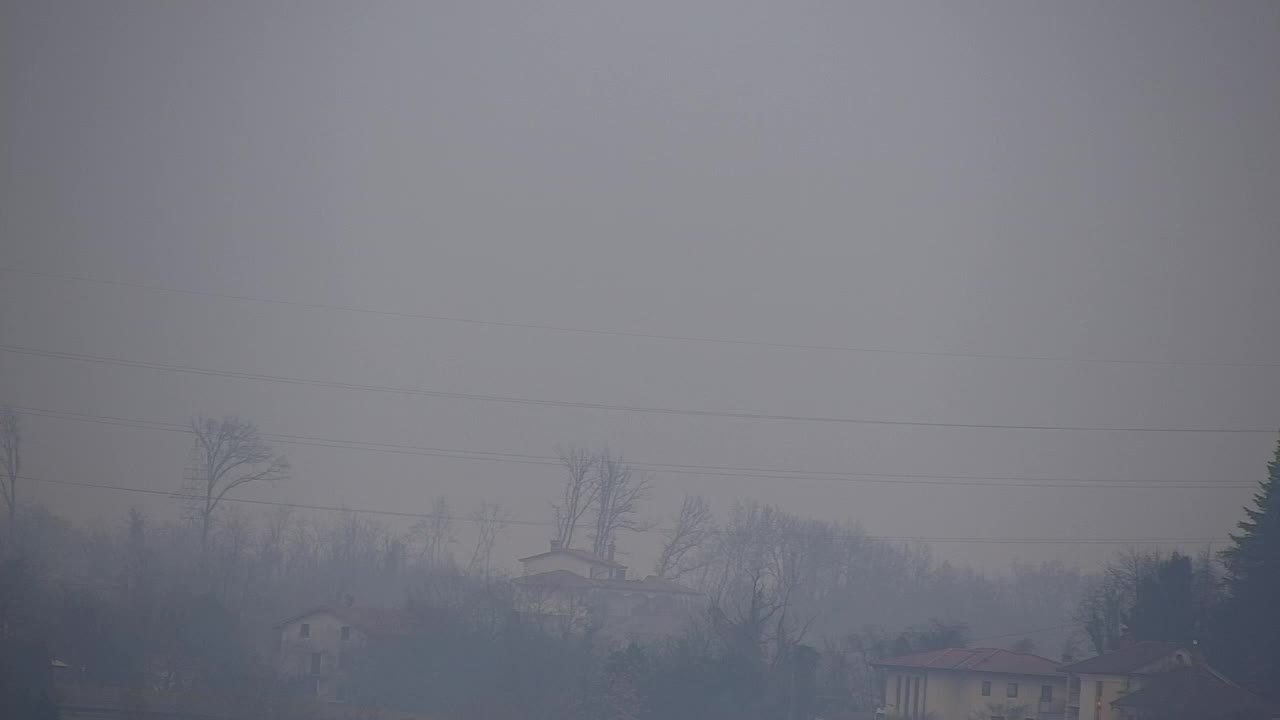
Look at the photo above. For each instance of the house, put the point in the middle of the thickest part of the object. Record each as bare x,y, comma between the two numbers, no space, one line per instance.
1193,693
570,590
967,683
1096,683
316,645
1161,680
578,562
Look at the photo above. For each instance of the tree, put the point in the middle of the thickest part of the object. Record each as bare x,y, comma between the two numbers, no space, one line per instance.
1253,582
1025,645
934,635
1164,603
618,494
577,495
753,572
490,520
437,533
692,530
1101,615
11,456
227,453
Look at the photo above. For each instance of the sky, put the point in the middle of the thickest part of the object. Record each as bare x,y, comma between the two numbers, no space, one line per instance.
881,196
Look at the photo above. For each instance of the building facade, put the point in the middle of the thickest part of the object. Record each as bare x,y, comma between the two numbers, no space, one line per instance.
316,646
1157,681
969,683
567,590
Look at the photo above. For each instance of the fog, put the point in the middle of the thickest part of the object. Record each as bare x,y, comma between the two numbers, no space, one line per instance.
989,283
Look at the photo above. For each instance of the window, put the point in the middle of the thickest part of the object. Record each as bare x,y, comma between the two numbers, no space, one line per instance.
897,695
341,693
1046,693
1012,691
304,631
315,663
345,632
986,688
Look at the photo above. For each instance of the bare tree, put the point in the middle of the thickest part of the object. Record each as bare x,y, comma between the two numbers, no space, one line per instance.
577,495
490,521
227,453
618,494
757,571
744,598
436,532
270,550
693,528
11,455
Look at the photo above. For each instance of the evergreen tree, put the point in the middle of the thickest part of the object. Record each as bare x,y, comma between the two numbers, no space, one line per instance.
1252,633
1164,606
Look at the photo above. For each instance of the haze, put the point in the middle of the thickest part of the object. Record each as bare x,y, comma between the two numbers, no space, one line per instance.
1083,182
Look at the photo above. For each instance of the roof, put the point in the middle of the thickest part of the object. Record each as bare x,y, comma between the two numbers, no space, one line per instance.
1196,691
564,579
580,554
369,620
990,660
1126,660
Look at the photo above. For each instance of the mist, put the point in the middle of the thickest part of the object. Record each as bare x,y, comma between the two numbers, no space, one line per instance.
800,336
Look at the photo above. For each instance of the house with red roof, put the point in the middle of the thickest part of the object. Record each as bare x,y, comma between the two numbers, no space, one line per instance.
967,683
1150,680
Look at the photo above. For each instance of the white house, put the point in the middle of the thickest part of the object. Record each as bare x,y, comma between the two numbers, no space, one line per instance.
574,590
316,645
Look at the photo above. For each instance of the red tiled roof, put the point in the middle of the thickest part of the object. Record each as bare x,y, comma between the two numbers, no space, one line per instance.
1126,660
1196,692
566,579
991,660
580,554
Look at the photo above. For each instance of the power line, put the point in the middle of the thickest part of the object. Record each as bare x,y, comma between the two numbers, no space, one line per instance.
540,523
624,333
666,468
292,380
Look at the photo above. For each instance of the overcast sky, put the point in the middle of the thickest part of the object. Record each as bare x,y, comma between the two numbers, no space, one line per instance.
1074,180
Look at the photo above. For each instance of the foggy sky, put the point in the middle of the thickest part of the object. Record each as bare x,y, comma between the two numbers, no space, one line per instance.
1075,180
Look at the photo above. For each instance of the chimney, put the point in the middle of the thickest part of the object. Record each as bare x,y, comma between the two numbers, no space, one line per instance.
1126,637
556,545
612,549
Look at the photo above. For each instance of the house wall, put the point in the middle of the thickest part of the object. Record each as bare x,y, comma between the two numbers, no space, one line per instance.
1097,692
952,695
294,658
